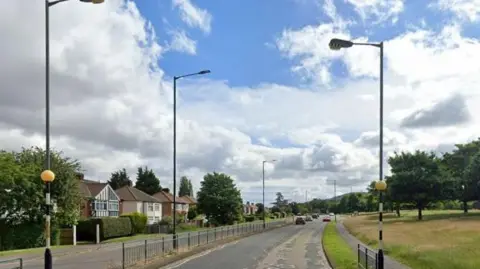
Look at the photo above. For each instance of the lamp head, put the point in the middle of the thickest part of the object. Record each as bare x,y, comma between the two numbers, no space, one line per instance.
203,72
337,44
47,176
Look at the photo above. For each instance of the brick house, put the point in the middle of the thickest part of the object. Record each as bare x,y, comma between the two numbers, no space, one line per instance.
99,199
166,199
134,200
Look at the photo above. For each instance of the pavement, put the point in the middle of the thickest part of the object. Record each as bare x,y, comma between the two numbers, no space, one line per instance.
110,255
293,246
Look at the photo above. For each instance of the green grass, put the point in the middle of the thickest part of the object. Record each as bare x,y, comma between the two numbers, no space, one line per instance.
338,251
444,239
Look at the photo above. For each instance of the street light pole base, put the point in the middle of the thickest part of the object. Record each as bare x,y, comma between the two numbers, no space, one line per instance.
380,259
48,259
175,238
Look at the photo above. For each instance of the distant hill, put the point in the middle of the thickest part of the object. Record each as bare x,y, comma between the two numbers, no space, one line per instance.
339,197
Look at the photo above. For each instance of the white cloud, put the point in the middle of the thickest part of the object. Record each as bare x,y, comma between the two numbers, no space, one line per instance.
182,43
378,10
468,10
194,16
111,100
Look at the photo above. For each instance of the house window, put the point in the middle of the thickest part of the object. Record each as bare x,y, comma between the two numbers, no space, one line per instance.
150,219
150,207
100,205
113,213
157,219
113,206
157,207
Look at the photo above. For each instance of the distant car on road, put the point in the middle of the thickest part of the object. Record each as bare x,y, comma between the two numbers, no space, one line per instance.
332,214
315,216
300,221
308,218
326,219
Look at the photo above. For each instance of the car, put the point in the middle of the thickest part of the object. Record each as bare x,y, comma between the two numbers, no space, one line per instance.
308,218
332,214
315,216
300,221
326,219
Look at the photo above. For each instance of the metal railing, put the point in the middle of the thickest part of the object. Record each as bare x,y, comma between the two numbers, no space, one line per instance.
12,264
367,258
138,252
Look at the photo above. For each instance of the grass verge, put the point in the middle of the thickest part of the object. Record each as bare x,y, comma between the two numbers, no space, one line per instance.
444,239
338,252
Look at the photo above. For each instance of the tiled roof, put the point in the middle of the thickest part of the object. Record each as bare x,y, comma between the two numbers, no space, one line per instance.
128,193
165,197
91,188
188,199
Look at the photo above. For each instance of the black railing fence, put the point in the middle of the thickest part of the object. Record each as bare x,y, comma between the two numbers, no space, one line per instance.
12,264
138,252
367,258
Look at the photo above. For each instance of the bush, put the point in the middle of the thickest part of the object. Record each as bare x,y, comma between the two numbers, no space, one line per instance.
249,218
192,213
115,227
109,228
26,235
138,220
166,220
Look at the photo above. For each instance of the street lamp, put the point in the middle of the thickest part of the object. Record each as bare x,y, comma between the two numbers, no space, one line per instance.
263,190
175,78
47,177
48,4
337,44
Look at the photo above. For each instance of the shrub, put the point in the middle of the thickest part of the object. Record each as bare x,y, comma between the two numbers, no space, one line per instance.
86,229
192,212
115,227
166,220
138,220
25,235
249,218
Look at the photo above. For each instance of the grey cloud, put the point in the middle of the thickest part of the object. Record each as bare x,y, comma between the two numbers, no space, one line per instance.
449,112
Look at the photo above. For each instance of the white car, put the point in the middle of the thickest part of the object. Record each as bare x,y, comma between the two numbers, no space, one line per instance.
332,214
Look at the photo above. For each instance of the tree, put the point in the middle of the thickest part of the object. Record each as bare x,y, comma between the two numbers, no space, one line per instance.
185,187
22,191
219,199
119,179
415,178
472,178
260,208
147,181
280,202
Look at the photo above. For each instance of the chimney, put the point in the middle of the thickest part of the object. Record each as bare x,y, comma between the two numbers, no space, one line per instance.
80,176
167,190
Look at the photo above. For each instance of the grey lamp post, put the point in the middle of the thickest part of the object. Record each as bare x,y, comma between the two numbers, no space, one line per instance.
263,191
203,72
337,44
47,175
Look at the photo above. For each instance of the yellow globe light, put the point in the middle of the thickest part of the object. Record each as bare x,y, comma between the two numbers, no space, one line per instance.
380,185
97,1
47,176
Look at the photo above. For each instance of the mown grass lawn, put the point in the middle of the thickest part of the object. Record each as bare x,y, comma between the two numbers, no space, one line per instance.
338,251
445,239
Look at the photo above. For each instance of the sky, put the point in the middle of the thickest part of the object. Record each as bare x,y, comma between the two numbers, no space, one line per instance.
275,91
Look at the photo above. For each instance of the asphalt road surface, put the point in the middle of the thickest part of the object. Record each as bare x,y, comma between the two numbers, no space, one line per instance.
290,247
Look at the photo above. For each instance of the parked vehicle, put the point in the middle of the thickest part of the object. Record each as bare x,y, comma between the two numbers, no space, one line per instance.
308,218
300,221
326,219
315,216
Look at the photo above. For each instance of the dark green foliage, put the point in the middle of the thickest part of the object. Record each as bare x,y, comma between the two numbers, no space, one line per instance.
109,228
219,199
249,218
147,181
119,179
138,220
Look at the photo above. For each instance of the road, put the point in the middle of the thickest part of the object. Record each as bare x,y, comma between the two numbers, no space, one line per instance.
299,245
292,247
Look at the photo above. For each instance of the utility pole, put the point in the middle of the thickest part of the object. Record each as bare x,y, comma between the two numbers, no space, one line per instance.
306,199
334,195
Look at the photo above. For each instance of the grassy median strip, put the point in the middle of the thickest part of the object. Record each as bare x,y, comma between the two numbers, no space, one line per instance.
339,253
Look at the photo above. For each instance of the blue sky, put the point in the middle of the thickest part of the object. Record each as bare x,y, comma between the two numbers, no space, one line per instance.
237,48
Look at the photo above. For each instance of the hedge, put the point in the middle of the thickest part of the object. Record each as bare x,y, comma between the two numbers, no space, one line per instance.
138,220
25,235
109,228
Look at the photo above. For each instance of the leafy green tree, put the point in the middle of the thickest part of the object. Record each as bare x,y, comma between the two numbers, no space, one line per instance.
416,178
185,187
353,202
22,191
192,212
472,177
119,179
260,208
219,199
280,202
147,181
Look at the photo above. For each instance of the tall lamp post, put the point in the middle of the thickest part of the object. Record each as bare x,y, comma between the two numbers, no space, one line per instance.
337,44
263,190
175,78
47,175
